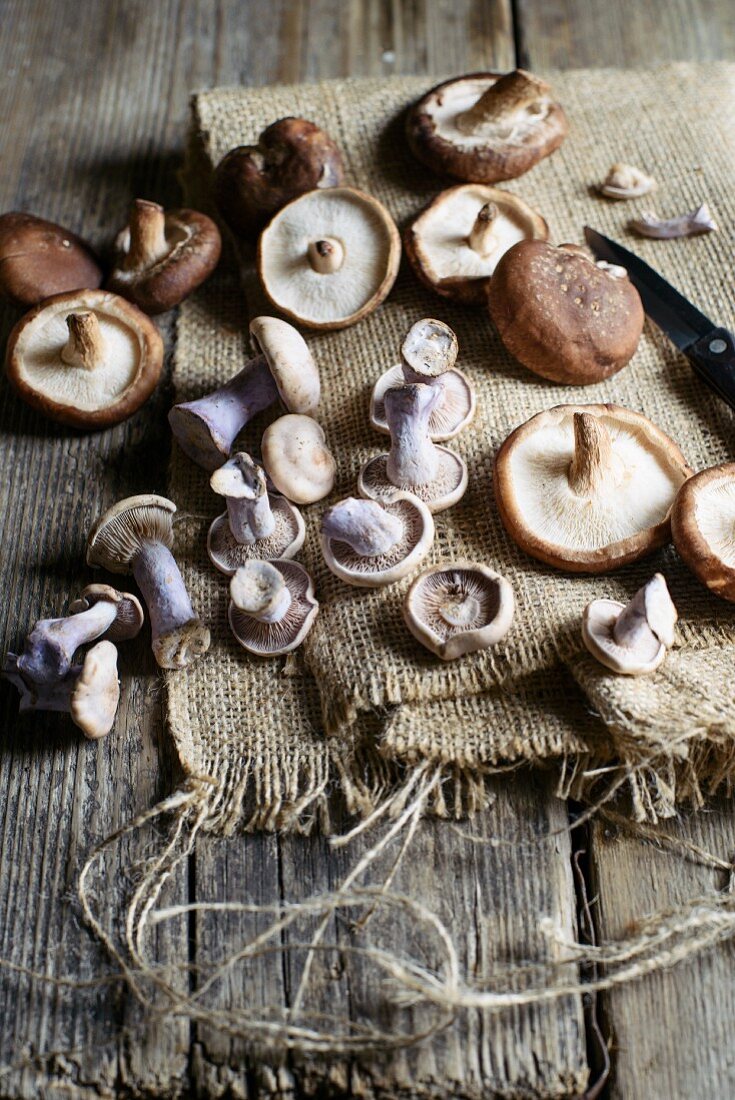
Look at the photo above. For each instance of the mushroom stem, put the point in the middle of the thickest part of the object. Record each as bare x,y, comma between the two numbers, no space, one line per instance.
482,239
164,592
148,242
84,346
55,695
364,525
592,454
514,94
413,457
51,645
260,590
326,255
650,615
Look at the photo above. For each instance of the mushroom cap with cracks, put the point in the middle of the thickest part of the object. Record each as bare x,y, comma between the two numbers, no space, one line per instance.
455,243
87,358
588,488
272,606
117,537
39,259
372,544
486,127
94,700
703,527
632,638
329,258
129,616
292,365
459,608
297,459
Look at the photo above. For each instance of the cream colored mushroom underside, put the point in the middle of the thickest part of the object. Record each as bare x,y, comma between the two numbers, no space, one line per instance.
714,513
288,274
444,230
39,350
453,101
637,494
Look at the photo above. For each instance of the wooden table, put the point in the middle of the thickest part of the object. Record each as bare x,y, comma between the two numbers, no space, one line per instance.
94,111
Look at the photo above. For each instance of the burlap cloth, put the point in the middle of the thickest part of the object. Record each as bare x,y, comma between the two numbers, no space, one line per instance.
251,727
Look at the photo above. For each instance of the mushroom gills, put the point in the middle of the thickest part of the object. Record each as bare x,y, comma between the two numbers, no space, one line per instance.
631,639
272,606
372,544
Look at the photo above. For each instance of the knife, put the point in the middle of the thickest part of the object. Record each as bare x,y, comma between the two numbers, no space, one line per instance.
709,348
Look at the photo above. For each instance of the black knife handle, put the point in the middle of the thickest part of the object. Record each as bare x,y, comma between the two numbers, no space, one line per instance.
713,358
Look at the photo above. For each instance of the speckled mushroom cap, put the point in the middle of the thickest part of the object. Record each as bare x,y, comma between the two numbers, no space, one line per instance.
350,236
412,544
106,380
703,527
116,538
562,316
252,585
459,608
486,127
588,488
129,615
187,252
95,696
290,362
39,258
297,459
455,243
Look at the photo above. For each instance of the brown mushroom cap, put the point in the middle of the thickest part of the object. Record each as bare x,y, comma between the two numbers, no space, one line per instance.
562,316
329,258
454,253
703,527
588,488
116,538
162,256
290,362
459,608
252,182
486,127
39,259
412,544
252,584
107,379
129,617
94,700
297,459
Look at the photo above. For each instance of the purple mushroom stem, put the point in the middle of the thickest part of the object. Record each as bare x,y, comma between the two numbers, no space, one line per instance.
366,527
164,592
55,695
51,645
413,458
250,520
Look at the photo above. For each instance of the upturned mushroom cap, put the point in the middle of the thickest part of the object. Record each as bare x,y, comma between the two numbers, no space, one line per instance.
562,316
163,255
486,127
297,459
459,608
94,700
86,358
411,537
456,242
257,589
588,488
129,617
329,258
703,526
631,639
290,362
116,538
451,416
39,259
252,182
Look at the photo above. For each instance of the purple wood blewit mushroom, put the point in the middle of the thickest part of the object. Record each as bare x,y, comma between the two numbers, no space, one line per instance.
284,367
272,606
372,544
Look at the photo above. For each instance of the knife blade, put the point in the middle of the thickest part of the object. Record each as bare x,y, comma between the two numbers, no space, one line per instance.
709,347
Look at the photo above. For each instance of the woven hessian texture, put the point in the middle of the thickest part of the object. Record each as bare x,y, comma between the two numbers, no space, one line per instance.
234,711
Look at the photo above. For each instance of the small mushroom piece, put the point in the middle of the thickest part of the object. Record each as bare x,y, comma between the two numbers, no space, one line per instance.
429,353
459,608
284,367
371,544
101,611
329,258
703,527
455,243
252,182
272,606
623,181
632,638
486,127
414,463
135,536
588,488
562,316
39,259
256,523
697,221
89,692
86,358
297,459
161,256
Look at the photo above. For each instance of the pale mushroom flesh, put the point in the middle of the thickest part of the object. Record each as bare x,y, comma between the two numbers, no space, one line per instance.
457,609
469,115
625,181
692,224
